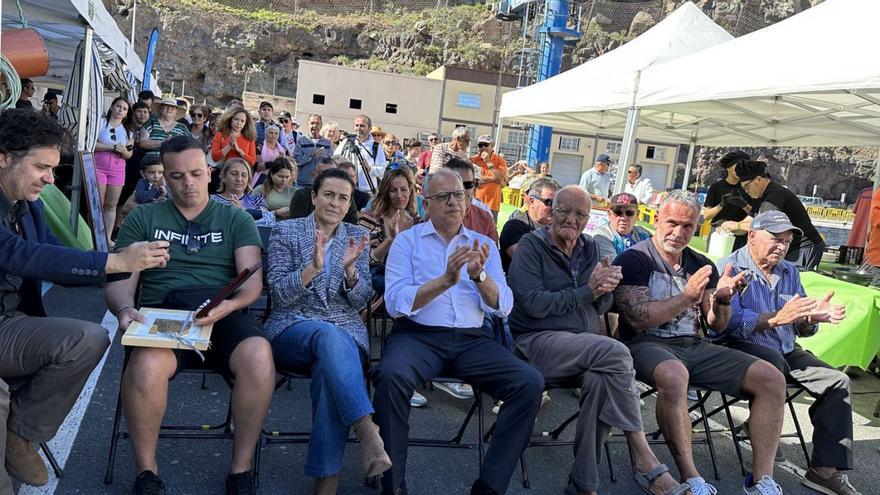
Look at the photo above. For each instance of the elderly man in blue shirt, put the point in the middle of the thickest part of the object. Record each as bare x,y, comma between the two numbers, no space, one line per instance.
440,280
768,314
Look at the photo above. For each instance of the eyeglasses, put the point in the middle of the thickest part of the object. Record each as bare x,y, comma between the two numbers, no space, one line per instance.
546,201
624,212
632,171
433,139
283,121
444,197
197,115
581,216
391,143
193,243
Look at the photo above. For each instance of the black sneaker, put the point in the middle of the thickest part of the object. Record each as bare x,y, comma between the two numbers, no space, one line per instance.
147,483
241,484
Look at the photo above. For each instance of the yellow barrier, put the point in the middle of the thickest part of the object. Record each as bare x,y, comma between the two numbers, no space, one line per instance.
512,196
830,214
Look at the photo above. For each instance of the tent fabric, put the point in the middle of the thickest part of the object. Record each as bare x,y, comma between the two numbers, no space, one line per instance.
70,102
807,81
590,97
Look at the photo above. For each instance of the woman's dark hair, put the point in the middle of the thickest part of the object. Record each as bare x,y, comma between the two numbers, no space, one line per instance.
273,167
333,173
24,129
126,121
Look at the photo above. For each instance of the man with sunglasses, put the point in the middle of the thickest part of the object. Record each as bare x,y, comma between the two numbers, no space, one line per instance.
621,232
475,218
211,243
458,147
807,245
441,280
538,213
424,161
55,355
768,315
308,150
493,170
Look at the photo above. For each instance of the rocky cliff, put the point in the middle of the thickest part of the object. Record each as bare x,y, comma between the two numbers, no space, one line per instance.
217,50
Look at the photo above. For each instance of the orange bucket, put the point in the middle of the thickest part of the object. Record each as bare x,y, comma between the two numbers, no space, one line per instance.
26,52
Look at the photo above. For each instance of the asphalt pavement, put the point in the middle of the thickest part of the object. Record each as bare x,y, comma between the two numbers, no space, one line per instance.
199,466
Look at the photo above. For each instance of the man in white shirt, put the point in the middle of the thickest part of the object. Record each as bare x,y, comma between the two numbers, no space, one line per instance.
369,149
597,180
638,186
441,278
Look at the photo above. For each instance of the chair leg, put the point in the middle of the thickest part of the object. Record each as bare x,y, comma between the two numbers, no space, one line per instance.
481,425
797,426
610,465
204,381
708,430
734,434
526,483
56,468
114,432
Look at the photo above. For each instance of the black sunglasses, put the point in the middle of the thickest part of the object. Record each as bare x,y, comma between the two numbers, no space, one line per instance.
113,134
547,201
283,121
193,243
197,115
624,212
469,184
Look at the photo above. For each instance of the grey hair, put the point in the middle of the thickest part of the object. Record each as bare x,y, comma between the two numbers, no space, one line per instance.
637,167
681,197
460,132
315,115
273,127
539,184
445,172
573,188
367,118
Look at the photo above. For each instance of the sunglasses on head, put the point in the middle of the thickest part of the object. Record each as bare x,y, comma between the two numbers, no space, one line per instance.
546,201
193,243
629,212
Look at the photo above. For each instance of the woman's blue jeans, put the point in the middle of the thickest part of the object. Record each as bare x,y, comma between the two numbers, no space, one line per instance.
338,390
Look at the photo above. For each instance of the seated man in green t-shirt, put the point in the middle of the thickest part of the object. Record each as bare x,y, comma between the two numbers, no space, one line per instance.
209,244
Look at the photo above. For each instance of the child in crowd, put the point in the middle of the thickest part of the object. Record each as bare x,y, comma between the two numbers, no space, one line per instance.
151,187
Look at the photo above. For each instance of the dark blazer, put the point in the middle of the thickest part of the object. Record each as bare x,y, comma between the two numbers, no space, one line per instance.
38,255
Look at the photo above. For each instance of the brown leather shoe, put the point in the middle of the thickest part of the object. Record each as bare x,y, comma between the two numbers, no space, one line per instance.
24,462
836,484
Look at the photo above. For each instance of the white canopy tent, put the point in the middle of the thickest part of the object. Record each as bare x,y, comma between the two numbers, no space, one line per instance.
806,81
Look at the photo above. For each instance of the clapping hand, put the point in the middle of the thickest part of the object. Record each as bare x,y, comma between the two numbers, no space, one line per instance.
604,278
352,253
477,258
797,308
318,254
454,262
826,312
697,283
728,284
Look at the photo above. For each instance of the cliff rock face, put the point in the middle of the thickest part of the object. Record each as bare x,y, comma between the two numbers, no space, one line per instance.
217,51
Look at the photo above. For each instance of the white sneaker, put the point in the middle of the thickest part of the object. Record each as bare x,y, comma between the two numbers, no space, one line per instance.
545,399
699,486
457,390
765,486
418,400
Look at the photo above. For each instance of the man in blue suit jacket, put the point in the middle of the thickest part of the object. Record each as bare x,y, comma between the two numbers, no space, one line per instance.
55,354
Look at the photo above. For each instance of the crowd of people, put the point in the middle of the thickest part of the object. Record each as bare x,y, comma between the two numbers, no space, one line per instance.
360,217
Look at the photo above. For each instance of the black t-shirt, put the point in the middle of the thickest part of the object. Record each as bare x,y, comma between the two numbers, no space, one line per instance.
24,104
716,193
512,232
642,266
777,197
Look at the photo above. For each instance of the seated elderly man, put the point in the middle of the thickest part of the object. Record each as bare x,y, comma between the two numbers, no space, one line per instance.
767,316
440,280
666,290
210,244
556,323
539,208
621,232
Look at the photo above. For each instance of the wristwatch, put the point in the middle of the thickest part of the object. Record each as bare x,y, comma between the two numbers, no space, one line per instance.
481,277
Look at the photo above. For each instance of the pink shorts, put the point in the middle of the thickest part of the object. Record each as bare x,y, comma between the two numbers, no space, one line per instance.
110,168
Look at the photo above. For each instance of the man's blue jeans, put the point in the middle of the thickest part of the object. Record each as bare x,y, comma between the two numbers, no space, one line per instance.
338,390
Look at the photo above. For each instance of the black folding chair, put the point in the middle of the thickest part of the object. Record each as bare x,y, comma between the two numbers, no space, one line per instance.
15,384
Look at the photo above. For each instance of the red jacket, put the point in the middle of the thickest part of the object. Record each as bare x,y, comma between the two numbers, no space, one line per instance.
221,140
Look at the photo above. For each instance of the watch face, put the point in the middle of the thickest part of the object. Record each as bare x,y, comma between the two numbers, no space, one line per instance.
482,276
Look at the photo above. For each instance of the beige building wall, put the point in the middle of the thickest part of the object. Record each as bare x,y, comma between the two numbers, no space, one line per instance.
416,99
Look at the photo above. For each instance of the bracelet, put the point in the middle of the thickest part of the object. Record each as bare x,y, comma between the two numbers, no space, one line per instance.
120,310
722,303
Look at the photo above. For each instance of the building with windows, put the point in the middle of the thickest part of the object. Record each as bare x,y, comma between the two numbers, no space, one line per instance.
451,97
403,105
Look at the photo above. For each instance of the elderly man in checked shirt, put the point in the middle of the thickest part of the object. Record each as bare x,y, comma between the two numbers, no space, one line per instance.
767,315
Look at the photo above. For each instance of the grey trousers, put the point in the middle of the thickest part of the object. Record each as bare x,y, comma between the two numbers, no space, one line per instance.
830,413
603,368
5,483
58,354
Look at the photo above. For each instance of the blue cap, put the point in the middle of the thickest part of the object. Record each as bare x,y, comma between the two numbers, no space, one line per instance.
603,158
775,222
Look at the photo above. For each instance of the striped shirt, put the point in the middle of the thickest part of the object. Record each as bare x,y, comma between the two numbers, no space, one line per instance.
156,133
761,296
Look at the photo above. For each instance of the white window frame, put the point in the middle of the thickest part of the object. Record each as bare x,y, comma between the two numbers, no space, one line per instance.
659,153
569,143
613,147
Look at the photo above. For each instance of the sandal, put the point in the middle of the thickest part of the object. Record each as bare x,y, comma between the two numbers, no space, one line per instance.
644,480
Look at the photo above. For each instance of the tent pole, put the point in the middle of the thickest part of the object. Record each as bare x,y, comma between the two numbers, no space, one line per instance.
687,166
627,147
76,185
873,189
134,11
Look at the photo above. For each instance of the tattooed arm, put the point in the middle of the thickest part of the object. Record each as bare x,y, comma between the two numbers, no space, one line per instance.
640,313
